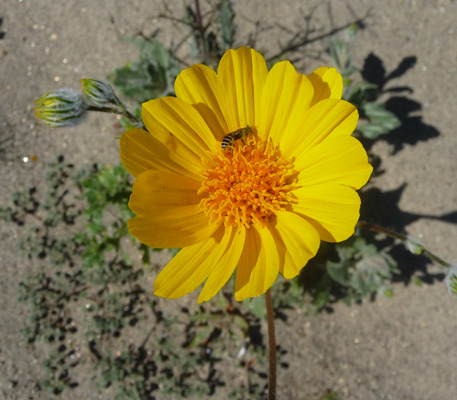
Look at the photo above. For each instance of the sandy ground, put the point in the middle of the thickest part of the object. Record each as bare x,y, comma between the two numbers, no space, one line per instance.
401,348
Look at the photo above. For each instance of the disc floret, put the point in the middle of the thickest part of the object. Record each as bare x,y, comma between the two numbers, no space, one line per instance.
247,185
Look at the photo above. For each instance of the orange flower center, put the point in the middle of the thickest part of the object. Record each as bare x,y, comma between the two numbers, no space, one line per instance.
246,183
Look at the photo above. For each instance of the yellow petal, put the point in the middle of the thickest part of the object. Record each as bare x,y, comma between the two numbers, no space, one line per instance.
285,97
341,160
331,208
169,233
258,266
140,151
240,80
190,267
327,83
326,119
179,127
197,86
164,194
224,268
300,242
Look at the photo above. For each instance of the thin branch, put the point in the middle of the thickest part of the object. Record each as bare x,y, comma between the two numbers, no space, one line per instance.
413,245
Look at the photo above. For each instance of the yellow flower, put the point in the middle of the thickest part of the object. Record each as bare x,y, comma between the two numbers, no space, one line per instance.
286,180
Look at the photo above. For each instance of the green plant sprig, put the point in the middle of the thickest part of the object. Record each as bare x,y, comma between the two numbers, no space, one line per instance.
413,245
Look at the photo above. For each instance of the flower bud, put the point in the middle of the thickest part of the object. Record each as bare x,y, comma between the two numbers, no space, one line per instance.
414,246
62,107
97,91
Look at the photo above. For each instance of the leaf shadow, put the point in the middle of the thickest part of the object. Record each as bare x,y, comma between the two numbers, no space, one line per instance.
412,129
2,34
382,208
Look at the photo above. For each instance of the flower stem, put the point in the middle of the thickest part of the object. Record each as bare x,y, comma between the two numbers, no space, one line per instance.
272,346
122,111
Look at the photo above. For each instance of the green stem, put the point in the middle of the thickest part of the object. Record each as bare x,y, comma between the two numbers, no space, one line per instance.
272,346
126,112
413,245
122,111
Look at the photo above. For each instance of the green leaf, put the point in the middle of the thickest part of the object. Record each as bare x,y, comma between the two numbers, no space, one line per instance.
109,181
451,281
381,121
199,337
338,271
149,77
418,281
414,247
360,92
173,251
227,27
146,255
370,273
322,291
134,82
94,228
341,51
386,292
241,323
256,306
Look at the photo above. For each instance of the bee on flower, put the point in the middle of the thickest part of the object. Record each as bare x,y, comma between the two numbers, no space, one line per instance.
229,140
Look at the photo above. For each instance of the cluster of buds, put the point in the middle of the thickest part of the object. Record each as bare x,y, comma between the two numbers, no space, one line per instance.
66,107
